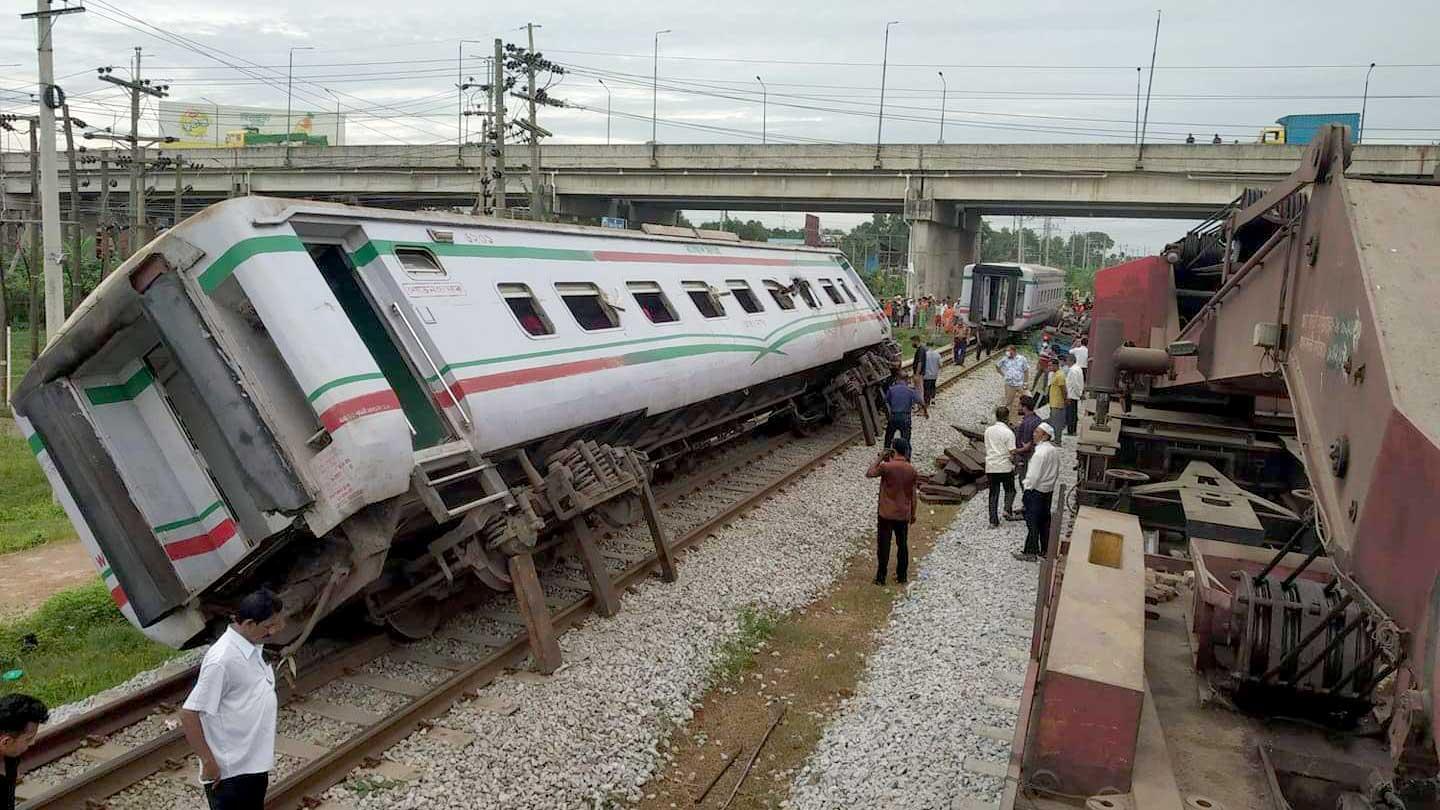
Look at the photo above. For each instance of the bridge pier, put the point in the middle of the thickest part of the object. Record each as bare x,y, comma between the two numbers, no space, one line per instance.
944,237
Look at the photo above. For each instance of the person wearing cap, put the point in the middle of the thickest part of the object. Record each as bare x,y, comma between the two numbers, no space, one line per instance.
1042,474
896,509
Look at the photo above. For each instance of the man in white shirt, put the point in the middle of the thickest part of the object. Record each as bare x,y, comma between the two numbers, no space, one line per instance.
1082,353
229,718
1074,391
1042,474
999,466
932,373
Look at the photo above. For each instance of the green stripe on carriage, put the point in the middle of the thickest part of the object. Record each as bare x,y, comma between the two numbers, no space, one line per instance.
225,266
37,444
190,521
106,573
124,392
333,384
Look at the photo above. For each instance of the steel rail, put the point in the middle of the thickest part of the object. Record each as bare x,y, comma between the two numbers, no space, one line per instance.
169,750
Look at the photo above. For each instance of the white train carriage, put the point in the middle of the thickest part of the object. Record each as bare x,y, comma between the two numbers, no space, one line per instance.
337,401
1001,299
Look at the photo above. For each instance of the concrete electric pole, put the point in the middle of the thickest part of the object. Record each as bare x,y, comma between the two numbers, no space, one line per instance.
498,88
136,86
537,194
51,99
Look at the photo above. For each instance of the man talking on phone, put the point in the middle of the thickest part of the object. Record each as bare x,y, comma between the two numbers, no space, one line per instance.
229,718
896,509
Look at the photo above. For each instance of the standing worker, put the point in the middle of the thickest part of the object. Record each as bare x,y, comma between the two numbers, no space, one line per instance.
1025,436
1042,474
1074,391
1082,353
896,509
900,401
229,718
1000,464
932,373
960,342
1056,389
1013,367
20,719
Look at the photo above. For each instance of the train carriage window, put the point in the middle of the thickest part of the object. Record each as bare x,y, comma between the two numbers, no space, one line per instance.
829,289
652,301
744,295
419,262
780,294
846,288
527,309
591,310
803,287
704,300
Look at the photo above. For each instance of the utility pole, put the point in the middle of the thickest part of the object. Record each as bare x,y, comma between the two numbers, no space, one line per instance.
51,99
179,190
76,265
104,221
537,195
136,86
884,68
498,91
33,262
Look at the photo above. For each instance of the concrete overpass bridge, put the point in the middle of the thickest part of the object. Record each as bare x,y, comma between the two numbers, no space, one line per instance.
942,189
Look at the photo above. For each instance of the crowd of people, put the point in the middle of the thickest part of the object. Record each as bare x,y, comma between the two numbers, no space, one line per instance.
1021,447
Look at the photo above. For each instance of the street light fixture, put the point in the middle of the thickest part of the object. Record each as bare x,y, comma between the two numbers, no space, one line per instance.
1363,101
607,110
337,114
944,89
216,122
884,67
460,87
764,105
289,85
655,87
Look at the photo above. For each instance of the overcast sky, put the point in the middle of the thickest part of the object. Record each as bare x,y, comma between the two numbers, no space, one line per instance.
1016,70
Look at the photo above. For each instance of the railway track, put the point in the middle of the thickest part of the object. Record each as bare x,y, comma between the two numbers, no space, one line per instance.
89,761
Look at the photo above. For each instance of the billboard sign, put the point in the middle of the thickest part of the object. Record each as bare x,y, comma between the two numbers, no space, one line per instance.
203,125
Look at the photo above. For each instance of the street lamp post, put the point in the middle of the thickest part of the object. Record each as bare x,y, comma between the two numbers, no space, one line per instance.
944,90
216,122
289,84
607,110
655,88
337,114
884,67
1363,101
764,107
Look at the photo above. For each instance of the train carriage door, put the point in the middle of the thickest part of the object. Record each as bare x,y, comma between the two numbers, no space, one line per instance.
428,426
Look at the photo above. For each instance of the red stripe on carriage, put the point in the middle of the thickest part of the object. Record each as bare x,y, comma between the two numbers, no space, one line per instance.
523,376
686,258
341,413
121,600
201,543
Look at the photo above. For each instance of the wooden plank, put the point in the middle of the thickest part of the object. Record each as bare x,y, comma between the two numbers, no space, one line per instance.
602,587
544,645
101,753
386,683
657,533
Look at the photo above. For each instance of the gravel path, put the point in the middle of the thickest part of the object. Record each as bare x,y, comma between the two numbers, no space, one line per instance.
593,734
929,725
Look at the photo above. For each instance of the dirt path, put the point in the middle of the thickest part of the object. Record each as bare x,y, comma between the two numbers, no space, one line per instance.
809,663
28,578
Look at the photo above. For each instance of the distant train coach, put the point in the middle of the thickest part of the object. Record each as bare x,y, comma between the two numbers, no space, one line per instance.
1004,298
349,404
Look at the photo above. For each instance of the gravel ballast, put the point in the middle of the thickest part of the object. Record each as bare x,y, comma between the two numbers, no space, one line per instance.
947,670
593,734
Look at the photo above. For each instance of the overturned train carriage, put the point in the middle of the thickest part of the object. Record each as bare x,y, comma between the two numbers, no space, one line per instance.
343,403
1002,299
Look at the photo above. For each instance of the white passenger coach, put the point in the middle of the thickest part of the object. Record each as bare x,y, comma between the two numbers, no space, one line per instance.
340,402
1001,299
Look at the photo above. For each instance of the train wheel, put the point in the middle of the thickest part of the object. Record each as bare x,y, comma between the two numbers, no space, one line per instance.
417,621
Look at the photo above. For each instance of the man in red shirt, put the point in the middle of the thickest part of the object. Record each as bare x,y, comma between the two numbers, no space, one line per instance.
896,508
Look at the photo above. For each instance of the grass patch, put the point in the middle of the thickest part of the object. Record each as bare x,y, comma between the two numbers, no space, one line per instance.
20,356
737,654
28,517
74,645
